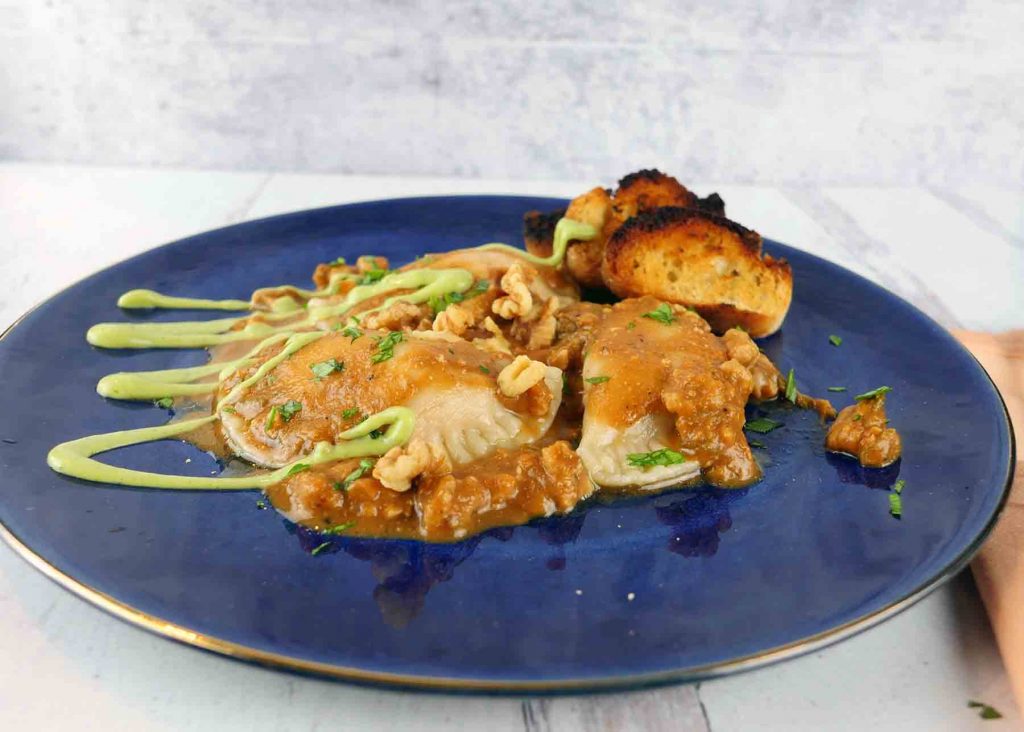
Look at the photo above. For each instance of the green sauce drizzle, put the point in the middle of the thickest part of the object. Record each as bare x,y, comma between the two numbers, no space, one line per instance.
74,458
148,299
566,230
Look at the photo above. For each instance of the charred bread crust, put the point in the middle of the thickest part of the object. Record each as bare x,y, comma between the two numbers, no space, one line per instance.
702,260
712,203
539,230
664,217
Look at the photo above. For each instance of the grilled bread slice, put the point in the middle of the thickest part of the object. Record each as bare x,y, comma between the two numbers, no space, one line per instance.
705,261
607,211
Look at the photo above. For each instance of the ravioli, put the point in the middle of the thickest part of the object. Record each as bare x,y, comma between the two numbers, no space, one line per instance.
333,383
663,401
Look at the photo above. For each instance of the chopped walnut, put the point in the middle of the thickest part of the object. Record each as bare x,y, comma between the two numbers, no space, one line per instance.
455,319
400,465
497,343
766,379
543,333
519,300
397,316
520,375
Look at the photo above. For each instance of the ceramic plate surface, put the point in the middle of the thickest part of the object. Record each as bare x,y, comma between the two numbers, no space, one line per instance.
683,585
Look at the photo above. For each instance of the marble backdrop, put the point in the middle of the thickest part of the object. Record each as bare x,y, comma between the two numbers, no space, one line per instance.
851,92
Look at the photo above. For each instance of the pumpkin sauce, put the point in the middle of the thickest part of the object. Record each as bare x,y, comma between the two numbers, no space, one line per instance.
465,391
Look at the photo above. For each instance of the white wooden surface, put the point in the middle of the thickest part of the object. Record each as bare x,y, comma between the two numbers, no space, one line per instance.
65,664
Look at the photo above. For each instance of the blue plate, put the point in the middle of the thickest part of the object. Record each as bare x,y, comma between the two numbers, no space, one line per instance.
680,586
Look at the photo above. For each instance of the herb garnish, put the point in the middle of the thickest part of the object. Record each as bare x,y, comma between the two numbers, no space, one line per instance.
289,409
439,303
325,368
260,505
630,325
762,425
164,403
873,393
663,314
597,379
371,276
364,465
895,505
386,346
337,262
837,388
835,340
350,413
320,548
756,443
856,417
985,711
352,332
791,387
296,469
485,369
340,528
662,457
896,498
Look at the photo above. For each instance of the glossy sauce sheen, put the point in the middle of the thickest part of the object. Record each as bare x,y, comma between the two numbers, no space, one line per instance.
862,430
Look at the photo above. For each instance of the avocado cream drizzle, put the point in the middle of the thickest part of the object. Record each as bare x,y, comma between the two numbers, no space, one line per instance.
75,458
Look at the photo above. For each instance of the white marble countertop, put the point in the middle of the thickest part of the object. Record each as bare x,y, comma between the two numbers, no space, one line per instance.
957,254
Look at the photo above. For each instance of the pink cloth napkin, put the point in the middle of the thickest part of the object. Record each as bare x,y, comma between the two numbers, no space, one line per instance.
999,567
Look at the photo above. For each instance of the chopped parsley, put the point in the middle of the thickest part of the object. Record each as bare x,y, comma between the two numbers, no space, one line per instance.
485,369
663,314
337,262
164,403
762,425
630,325
289,409
352,332
285,411
856,417
837,388
835,340
320,548
261,505
791,387
756,443
371,276
340,528
386,346
597,379
439,303
364,465
661,457
296,469
325,368
985,711
350,413
873,393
